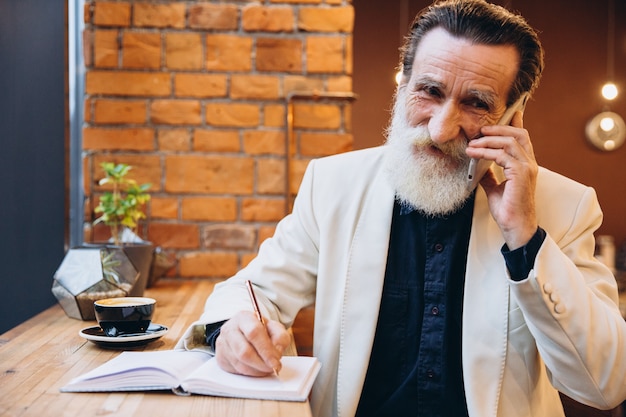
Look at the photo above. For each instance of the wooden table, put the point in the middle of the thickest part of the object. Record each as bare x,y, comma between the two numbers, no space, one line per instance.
44,353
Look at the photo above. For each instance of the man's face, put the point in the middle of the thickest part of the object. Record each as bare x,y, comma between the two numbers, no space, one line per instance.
454,89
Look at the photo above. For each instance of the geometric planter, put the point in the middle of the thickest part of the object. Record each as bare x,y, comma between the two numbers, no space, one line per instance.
95,272
141,255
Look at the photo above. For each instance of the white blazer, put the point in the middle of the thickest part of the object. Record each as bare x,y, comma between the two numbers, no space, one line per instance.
560,328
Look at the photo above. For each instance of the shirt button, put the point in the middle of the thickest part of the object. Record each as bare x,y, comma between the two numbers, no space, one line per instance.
439,247
435,311
430,374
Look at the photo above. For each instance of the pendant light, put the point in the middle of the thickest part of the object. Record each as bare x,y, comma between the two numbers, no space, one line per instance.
607,130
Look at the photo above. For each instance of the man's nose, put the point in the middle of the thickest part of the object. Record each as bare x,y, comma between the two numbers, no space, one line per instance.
445,123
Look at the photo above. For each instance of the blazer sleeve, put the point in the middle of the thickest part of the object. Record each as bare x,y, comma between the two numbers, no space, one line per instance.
570,304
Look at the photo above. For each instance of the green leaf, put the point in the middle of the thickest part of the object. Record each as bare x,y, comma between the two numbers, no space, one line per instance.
123,206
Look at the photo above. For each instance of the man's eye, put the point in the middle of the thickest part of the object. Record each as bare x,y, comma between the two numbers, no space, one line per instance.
480,105
432,91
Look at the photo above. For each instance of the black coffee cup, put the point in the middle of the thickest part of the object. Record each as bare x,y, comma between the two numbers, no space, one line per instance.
124,315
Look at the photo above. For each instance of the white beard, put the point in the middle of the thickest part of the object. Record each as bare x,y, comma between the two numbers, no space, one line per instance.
435,185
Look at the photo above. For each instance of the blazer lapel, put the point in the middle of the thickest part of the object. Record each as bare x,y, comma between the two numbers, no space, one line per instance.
485,313
364,284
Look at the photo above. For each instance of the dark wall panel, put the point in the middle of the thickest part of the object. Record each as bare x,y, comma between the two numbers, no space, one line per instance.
32,164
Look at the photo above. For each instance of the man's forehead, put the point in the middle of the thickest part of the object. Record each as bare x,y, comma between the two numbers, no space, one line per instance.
444,58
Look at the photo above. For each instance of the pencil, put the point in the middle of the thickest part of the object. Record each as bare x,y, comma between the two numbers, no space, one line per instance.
257,310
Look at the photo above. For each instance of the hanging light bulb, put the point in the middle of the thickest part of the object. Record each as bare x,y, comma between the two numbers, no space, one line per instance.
609,91
607,124
607,130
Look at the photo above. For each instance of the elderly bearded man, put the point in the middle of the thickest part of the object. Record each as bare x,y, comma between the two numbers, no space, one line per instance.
434,298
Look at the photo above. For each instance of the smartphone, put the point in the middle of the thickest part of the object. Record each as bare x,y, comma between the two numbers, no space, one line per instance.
478,167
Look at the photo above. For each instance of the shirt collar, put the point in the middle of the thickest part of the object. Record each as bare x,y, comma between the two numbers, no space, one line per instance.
408,208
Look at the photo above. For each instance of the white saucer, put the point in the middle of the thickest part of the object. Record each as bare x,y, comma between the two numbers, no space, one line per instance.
96,335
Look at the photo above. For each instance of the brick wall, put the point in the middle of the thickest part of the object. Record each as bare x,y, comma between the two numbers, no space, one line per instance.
194,95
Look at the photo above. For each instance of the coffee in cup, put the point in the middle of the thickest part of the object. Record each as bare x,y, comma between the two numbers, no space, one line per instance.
124,315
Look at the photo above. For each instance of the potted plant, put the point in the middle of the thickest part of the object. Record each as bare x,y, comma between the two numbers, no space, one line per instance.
123,206
121,209
120,267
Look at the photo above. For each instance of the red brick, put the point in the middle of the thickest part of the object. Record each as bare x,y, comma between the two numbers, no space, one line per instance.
209,209
325,54
255,87
210,16
141,50
274,115
349,57
277,54
87,111
317,116
229,237
106,48
174,139
88,41
136,139
262,209
300,83
88,178
174,236
164,208
119,111
228,53
183,51
326,19
264,142
322,144
176,112
126,83
342,83
270,176
107,13
208,174
209,140
211,264
87,13
232,114
159,15
267,19
297,1
200,85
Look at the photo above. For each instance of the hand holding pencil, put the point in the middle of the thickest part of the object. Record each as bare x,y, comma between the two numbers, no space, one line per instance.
257,311
249,344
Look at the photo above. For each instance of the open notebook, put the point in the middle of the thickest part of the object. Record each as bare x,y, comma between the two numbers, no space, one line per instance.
196,372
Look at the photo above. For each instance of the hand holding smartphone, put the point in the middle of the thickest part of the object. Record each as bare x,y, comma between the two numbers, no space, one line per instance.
478,167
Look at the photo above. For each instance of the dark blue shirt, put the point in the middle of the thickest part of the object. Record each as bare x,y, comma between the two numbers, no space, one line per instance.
415,366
